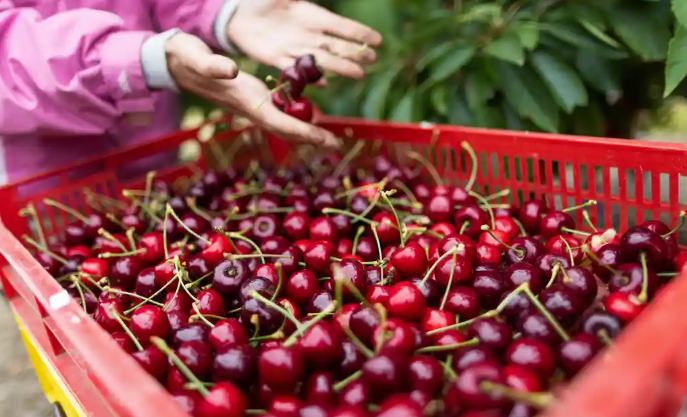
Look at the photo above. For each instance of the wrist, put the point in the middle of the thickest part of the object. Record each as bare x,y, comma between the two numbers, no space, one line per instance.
224,17
154,61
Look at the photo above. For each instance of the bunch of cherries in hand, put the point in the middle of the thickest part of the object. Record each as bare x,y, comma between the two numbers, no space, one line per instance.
346,286
288,95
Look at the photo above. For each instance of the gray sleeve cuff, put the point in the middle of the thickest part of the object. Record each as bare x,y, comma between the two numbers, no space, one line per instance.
154,62
223,18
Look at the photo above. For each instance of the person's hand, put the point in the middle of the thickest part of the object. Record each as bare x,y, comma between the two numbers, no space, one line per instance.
276,32
196,69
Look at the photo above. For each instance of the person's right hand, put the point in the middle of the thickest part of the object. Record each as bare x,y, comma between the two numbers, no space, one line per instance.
196,69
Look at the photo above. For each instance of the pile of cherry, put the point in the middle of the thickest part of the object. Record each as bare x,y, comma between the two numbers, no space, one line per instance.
354,289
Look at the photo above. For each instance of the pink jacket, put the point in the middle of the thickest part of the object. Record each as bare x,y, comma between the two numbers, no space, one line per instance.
73,71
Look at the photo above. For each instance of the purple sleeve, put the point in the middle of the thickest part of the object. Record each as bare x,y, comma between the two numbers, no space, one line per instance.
196,17
76,72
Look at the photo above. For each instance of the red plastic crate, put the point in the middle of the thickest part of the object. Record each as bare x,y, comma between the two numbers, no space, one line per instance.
643,375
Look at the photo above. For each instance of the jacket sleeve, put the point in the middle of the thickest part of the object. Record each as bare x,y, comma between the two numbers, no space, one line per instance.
75,72
206,19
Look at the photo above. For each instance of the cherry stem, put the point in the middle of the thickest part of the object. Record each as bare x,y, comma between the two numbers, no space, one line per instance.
401,229
488,206
276,335
464,226
309,324
30,210
131,294
407,191
668,274
280,279
588,220
44,249
503,193
68,210
604,337
447,368
108,255
276,307
379,249
358,234
131,195
644,293
179,272
350,155
358,343
107,235
162,345
459,247
252,191
81,296
149,185
520,252
545,312
345,382
382,325
574,232
554,274
520,226
155,294
680,223
539,400
112,312
428,166
201,316
473,169
592,255
191,203
450,281
569,250
579,206
104,200
428,349
232,235
488,314
355,190
182,224
218,153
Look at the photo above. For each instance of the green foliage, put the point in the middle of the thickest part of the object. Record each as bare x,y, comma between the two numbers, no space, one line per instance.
573,66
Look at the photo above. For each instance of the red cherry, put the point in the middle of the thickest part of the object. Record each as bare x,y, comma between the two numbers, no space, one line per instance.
278,100
599,239
507,225
210,302
488,254
148,321
303,244
227,332
406,301
521,379
281,367
342,317
95,268
317,257
153,361
464,302
456,272
323,228
532,354
295,79
215,251
321,346
467,388
153,244
436,319
104,315
398,337
556,245
224,400
410,260
301,109
378,294
387,228
439,208
84,251
285,406
296,225
197,356
443,228
307,66
623,305
452,241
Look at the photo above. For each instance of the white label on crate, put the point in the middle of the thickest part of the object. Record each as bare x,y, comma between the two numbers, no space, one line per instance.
59,300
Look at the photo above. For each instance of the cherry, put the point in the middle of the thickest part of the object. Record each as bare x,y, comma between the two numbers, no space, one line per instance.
323,228
300,108
507,225
210,302
153,361
133,221
352,361
444,229
262,286
602,324
285,406
488,254
260,318
608,256
491,333
387,228
446,338
576,353
187,400
320,301
274,245
237,364
467,388
554,223
462,271
296,81
367,249
363,323
281,367
214,252
439,208
581,282
190,331
436,319
394,335
104,315
348,411
194,222
599,239
629,278
406,301
296,225
495,238
410,260
489,286
317,257
164,272
386,372
374,276
622,305
319,389
354,272
197,356
533,325
400,406
638,240
301,286
428,288
153,244
470,355
269,272
224,400
177,319
521,379
312,410
356,394
148,321
525,249
464,302
547,262
563,303
530,214
470,219
321,346
557,246
124,341
521,272
197,267
426,374
532,354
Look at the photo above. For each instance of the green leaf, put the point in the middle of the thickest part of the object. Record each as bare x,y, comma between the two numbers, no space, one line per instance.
478,88
680,11
588,12
373,106
676,65
451,63
506,48
638,29
433,54
601,74
579,38
482,13
488,116
528,33
459,112
528,95
383,15
438,98
599,34
563,82
405,109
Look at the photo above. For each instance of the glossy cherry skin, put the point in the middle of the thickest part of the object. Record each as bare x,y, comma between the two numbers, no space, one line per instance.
425,373
262,286
410,260
487,238
229,275
387,229
319,389
439,208
552,224
153,244
602,324
386,372
580,281
436,319
227,332
464,302
187,400
468,250
454,273
629,278
148,321
285,406
623,305
398,337
224,400
363,323
473,216
356,394
530,213
557,246
489,286
352,361
533,325
317,257
323,228
259,317
638,240
546,263
507,225
471,355
400,406
467,389
320,301
491,333
104,315
210,302
214,252
197,356
296,225
577,352
608,256
190,331
353,272
301,286
321,346
528,249
237,364
153,361
406,302
521,272
521,379
564,304
281,367
532,354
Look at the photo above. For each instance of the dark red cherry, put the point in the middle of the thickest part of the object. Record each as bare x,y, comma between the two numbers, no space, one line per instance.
553,224
521,272
489,286
577,352
467,388
470,355
456,273
406,302
603,325
533,325
491,333
210,302
436,319
525,249
629,279
522,379
262,286
532,354
281,367
265,225
319,389
439,208
227,332
363,322
124,342
356,394
321,346
260,318
386,372
563,303
580,281
187,400
546,263
352,360
557,246
367,249
284,405
224,400
317,257
104,315
190,331
530,213
153,361
470,219
353,272
624,305
400,405
296,81
464,302
301,286
306,65
296,225
229,275
488,254
387,228
410,260
274,245
394,336
197,356
638,240
608,256
517,304
124,272
269,272
507,225
429,289
237,364
426,374
320,301
323,228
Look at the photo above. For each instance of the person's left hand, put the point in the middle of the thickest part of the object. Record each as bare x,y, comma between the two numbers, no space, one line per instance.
276,32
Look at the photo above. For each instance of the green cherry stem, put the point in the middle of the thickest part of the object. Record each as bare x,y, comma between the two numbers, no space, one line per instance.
680,223
201,316
579,206
585,216
276,307
30,210
644,293
546,313
164,234
540,400
149,186
503,193
358,234
81,296
134,295
107,235
488,314
158,292
488,206
171,212
355,190
280,279
450,282
181,273
452,376
554,273
593,257
68,210
350,155
463,227
358,343
428,166
401,229
520,252
569,250
191,203
162,345
130,237
43,249
345,382
428,349
108,255
520,226
309,324
459,247
112,312
575,232
473,169
407,191
379,250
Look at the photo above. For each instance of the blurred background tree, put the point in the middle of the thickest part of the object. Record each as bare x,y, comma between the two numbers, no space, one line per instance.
587,67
